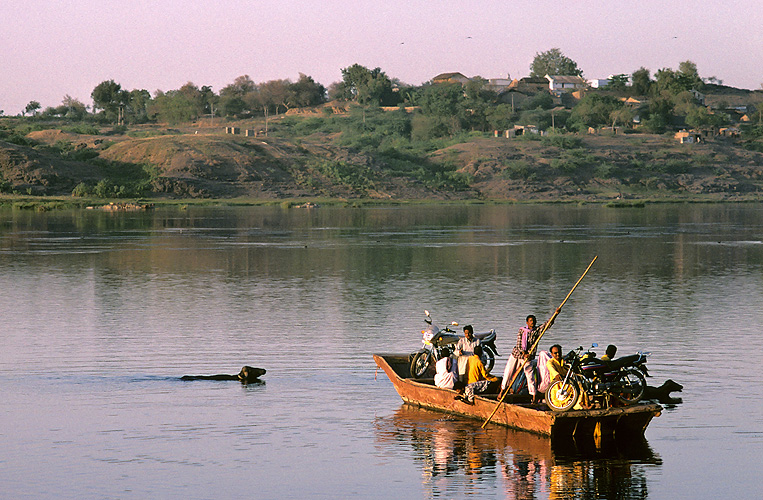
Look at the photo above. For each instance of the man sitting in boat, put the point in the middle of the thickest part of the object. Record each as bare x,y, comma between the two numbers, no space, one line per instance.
477,379
446,374
557,370
465,348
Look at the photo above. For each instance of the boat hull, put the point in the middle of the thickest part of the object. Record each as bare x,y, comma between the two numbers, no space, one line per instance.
629,421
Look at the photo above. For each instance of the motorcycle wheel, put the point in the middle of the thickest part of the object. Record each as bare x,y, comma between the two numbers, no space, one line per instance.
561,397
631,385
420,364
488,359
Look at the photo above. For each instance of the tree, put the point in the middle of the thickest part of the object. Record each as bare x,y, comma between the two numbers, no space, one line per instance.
553,62
209,99
32,108
443,102
176,106
683,103
541,118
137,105
239,97
500,117
477,100
274,94
674,82
541,100
232,105
623,115
306,92
107,96
699,117
594,110
658,115
714,80
72,108
337,91
688,70
50,112
641,81
618,83
242,85
367,86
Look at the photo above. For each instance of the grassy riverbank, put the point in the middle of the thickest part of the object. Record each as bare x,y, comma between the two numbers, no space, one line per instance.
52,203
359,161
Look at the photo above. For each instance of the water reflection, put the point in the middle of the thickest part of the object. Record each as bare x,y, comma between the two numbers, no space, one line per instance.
459,458
99,295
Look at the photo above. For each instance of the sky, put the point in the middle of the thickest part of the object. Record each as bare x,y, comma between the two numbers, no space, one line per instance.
50,49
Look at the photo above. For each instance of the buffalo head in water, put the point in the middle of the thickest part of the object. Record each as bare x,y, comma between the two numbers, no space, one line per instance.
247,375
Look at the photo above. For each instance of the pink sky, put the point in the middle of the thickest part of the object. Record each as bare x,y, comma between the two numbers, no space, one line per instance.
52,48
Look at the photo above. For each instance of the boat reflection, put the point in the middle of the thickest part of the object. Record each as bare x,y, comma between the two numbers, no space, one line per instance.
459,457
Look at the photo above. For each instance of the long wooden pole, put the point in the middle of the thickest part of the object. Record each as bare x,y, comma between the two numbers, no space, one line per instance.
546,326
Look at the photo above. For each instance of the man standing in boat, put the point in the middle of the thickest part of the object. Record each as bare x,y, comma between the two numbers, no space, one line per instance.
525,350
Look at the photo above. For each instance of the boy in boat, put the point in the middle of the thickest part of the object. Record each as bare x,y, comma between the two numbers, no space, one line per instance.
609,354
465,348
465,345
477,379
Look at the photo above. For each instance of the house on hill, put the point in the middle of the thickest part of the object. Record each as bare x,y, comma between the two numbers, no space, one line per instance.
598,83
634,102
451,78
740,103
559,84
688,136
698,96
529,85
521,90
498,85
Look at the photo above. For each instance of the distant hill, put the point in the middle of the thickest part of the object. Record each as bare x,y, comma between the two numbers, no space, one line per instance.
206,162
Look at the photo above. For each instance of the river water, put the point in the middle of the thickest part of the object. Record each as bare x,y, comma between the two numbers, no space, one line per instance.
103,312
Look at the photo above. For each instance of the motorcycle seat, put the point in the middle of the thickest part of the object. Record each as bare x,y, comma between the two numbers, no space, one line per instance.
594,364
618,363
485,337
444,337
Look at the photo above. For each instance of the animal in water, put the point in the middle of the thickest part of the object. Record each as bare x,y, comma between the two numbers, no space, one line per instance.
662,393
247,375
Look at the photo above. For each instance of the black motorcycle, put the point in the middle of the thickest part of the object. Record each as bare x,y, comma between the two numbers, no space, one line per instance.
598,382
438,344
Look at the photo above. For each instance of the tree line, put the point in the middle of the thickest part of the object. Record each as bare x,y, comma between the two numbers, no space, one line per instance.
446,108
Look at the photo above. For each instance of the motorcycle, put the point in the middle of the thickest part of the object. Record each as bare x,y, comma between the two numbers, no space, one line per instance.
438,344
599,382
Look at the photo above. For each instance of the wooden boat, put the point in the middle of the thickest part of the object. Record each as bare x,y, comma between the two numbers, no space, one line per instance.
444,432
628,421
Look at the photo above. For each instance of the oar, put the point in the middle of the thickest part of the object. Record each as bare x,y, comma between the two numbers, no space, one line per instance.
546,325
